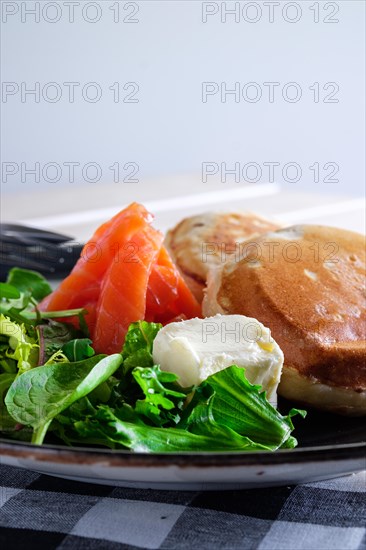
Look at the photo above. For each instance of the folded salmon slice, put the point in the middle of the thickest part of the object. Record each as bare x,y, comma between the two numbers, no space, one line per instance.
82,287
168,296
122,298
124,275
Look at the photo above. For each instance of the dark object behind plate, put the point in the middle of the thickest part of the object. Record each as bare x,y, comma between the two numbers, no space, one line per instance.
50,253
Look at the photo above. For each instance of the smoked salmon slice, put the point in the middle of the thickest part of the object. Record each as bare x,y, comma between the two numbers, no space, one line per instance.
82,287
168,296
124,274
122,299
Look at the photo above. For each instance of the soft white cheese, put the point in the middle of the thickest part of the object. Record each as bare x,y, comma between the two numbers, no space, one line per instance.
197,348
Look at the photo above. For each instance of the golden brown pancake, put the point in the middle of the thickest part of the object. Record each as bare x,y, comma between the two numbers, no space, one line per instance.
200,242
307,284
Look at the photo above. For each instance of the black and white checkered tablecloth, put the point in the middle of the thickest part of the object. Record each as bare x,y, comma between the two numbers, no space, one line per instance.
46,512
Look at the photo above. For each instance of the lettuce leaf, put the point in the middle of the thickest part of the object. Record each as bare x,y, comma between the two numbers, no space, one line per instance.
39,395
252,425
105,427
21,294
125,401
21,349
228,399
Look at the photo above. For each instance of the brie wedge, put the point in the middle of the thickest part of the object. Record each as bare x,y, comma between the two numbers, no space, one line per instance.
197,348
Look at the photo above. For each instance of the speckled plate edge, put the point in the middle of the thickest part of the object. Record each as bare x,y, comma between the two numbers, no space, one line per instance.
187,471
80,455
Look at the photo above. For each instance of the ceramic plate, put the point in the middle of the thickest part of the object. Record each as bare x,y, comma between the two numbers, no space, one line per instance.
329,446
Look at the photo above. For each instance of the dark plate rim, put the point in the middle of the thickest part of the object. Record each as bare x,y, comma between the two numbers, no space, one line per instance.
119,458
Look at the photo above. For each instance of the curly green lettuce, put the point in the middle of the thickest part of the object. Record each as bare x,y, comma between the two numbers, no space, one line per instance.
19,351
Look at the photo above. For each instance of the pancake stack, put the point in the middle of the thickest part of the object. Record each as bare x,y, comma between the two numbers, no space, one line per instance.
199,243
307,284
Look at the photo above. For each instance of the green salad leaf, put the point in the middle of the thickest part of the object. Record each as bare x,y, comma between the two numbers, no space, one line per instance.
136,352
155,395
8,426
226,413
105,427
9,292
163,399
20,296
229,400
140,336
11,429
27,281
122,400
21,293
6,380
18,350
52,336
39,395
78,349
200,429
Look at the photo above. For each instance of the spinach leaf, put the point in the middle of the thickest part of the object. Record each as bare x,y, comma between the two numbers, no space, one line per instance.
6,381
78,349
9,292
8,426
27,281
11,429
39,395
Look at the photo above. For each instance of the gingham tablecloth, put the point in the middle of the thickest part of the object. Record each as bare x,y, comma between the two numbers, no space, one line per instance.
46,512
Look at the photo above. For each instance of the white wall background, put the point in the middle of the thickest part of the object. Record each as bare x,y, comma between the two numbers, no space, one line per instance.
169,52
